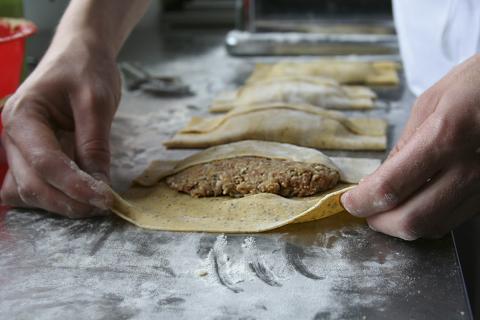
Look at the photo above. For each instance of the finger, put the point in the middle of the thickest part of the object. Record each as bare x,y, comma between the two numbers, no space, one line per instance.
8,193
422,108
92,134
35,193
32,134
432,212
398,177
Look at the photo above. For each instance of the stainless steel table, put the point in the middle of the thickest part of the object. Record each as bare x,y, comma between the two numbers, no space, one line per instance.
105,268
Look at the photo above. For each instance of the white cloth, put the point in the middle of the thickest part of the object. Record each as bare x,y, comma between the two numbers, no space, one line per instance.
434,36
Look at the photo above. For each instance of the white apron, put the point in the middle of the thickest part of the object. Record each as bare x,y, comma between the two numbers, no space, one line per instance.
434,36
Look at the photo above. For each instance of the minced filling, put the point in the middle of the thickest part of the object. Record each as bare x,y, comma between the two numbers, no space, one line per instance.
241,176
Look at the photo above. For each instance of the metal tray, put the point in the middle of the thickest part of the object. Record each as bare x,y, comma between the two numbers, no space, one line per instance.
244,43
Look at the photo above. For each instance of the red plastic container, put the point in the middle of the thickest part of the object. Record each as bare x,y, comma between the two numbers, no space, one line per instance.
13,33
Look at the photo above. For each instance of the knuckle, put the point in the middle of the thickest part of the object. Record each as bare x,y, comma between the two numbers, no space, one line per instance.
94,97
27,193
96,146
444,130
17,100
18,108
410,228
97,151
386,195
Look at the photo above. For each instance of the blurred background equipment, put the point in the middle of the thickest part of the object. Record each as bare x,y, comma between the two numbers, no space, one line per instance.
199,13
137,78
308,27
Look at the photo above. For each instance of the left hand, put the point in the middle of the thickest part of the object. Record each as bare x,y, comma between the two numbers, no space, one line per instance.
57,129
430,182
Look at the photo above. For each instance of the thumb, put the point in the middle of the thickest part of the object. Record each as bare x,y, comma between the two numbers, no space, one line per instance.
92,137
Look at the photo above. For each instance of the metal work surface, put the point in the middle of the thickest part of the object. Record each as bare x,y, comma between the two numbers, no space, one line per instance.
105,268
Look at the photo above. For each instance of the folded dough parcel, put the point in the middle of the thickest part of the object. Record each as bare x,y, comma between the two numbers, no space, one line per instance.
345,72
150,203
302,125
317,91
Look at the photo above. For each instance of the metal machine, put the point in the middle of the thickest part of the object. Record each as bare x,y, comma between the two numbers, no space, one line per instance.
313,28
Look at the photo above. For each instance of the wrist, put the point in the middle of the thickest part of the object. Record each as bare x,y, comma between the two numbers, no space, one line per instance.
102,25
82,45
85,29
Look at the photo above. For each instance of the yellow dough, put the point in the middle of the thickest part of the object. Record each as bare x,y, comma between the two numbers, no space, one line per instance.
317,91
151,204
345,72
302,125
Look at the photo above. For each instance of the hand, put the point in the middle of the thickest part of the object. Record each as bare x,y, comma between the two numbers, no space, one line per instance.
430,182
57,128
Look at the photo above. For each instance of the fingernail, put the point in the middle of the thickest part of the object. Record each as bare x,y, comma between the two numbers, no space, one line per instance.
370,226
101,176
346,202
104,198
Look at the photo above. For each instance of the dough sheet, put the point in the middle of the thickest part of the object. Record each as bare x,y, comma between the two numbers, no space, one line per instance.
151,204
319,92
345,72
302,125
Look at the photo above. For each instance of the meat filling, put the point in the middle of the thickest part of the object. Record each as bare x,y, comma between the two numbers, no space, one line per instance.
240,176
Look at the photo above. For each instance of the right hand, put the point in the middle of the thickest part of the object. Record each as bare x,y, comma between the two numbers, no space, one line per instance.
430,183
57,128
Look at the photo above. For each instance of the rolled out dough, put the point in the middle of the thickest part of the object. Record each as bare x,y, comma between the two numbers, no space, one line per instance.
317,91
345,72
151,204
302,125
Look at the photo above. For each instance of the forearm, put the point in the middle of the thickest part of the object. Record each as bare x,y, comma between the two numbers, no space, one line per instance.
101,23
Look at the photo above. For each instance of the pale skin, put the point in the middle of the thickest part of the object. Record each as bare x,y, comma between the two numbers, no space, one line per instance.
62,113
430,182
57,124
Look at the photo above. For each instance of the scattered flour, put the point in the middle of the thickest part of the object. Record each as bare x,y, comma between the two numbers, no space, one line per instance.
110,269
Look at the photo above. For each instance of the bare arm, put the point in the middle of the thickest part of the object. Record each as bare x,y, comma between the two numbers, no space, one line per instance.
105,22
